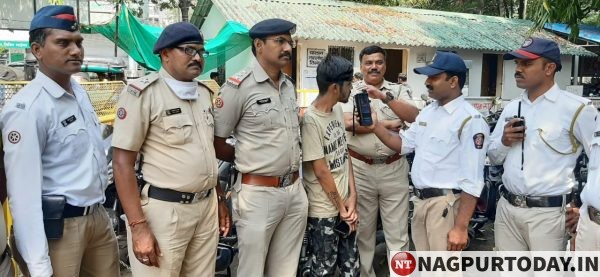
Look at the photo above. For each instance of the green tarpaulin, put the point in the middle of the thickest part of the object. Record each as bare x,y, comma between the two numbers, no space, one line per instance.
137,40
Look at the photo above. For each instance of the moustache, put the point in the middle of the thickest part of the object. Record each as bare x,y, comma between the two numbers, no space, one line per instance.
285,54
195,64
375,71
518,75
429,87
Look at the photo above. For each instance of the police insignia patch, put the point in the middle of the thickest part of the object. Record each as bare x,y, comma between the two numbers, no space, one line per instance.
422,123
219,102
236,80
527,42
121,113
478,140
14,137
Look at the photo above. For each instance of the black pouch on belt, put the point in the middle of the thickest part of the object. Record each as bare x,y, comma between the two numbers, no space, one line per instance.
53,207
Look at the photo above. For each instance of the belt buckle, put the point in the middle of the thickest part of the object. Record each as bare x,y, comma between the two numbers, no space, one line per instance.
521,201
89,209
200,195
285,180
379,160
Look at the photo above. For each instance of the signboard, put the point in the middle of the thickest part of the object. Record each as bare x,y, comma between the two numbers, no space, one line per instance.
314,56
14,44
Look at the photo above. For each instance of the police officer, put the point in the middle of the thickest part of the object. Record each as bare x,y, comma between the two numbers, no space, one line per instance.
449,138
381,173
259,106
404,85
54,154
167,117
588,227
538,157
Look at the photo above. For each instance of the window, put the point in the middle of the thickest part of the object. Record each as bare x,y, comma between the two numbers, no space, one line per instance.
346,52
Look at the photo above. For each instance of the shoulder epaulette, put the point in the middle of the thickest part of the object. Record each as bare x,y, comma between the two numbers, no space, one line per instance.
137,86
288,77
235,80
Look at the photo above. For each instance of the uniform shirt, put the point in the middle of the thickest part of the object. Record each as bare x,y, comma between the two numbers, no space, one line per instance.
545,172
174,135
264,119
368,144
591,192
324,136
444,158
53,146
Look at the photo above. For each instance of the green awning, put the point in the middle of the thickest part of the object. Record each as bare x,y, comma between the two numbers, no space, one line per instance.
137,40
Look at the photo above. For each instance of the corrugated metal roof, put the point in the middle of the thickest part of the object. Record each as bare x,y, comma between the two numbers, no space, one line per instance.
354,22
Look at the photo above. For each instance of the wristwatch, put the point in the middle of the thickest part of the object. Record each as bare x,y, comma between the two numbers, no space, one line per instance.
388,97
221,198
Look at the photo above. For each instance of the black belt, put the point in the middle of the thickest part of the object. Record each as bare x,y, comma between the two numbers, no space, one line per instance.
76,211
594,214
434,192
170,195
535,201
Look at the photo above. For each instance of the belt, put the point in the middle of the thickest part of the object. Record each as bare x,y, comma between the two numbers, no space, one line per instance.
594,214
534,201
76,211
375,160
434,192
270,181
170,195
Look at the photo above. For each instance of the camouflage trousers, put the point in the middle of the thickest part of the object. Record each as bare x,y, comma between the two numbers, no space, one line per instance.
328,249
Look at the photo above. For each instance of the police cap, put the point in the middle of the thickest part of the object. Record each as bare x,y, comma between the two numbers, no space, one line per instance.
176,34
534,48
55,17
270,27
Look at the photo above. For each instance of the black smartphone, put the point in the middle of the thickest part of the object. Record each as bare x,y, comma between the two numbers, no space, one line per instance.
343,229
362,102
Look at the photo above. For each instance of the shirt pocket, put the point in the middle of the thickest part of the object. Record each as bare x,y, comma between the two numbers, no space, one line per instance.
440,145
556,138
269,115
74,139
178,129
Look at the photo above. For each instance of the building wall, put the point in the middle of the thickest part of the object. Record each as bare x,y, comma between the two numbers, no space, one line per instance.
17,14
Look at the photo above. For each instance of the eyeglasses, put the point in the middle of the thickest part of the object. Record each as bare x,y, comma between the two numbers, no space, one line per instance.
192,52
281,41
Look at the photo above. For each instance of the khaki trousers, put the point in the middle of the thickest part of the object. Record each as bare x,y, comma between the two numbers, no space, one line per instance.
88,247
432,219
588,232
187,236
529,229
270,223
382,189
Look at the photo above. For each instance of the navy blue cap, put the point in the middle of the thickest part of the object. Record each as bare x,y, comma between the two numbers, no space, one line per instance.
55,17
270,27
443,62
178,33
534,48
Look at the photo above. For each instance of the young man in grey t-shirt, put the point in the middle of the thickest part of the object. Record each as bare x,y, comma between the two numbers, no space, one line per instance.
328,178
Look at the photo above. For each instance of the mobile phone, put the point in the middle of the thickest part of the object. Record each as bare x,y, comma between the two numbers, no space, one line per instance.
342,228
362,102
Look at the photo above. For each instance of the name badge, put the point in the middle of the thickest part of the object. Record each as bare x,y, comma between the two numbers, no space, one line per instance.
422,123
68,121
173,111
263,101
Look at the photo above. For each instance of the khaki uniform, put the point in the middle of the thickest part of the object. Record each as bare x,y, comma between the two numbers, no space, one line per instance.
270,221
380,187
546,168
588,230
175,137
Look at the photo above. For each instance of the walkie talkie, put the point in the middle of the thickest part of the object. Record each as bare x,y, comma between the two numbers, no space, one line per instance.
362,104
519,124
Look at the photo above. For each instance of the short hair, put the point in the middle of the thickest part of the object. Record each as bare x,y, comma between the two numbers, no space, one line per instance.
462,76
254,47
333,70
39,36
214,74
358,75
402,77
369,50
